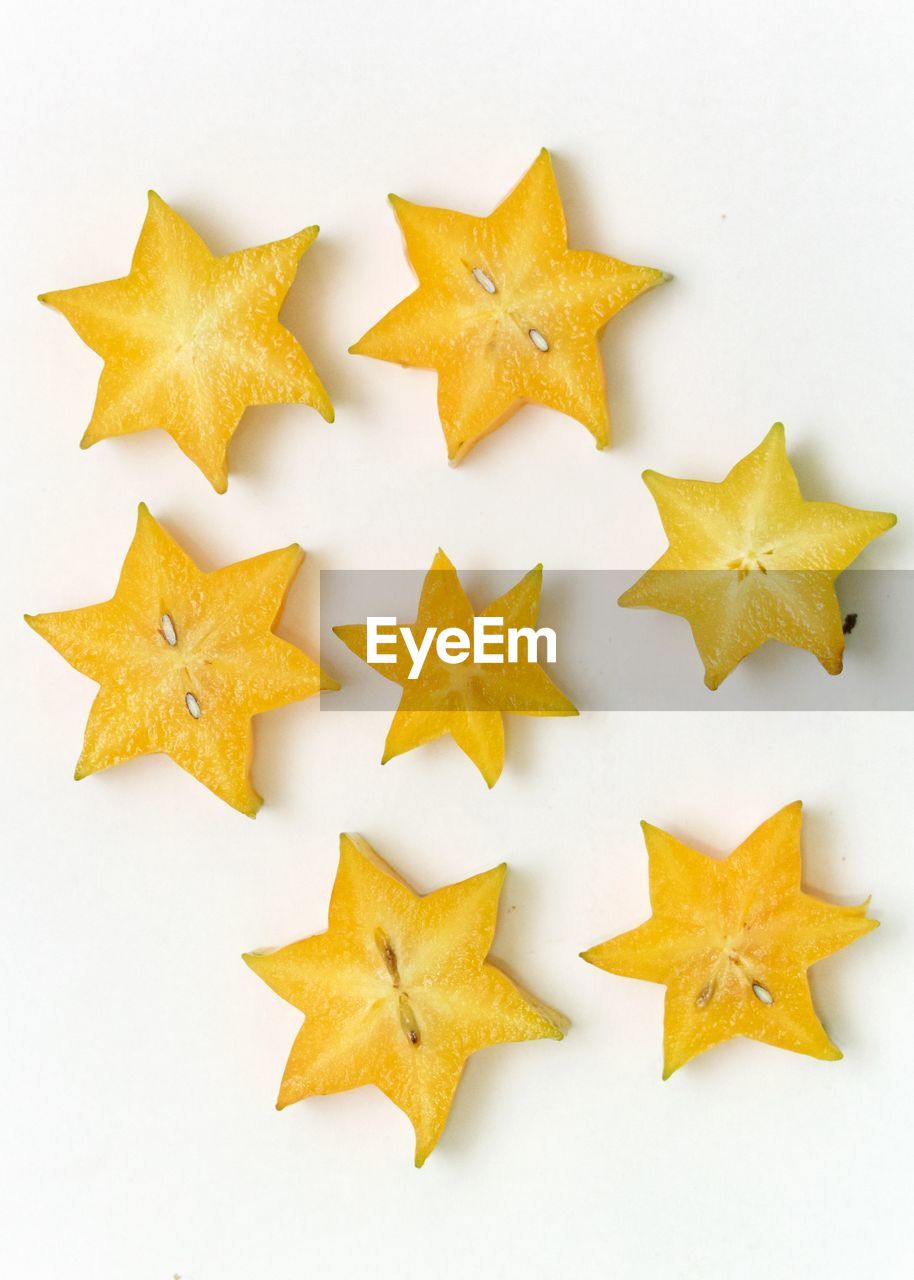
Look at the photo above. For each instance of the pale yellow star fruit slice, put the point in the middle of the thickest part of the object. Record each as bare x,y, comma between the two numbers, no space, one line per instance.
751,560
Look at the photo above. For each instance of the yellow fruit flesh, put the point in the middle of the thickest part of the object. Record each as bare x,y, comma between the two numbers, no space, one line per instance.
466,700
184,659
190,340
506,312
732,940
397,993
750,560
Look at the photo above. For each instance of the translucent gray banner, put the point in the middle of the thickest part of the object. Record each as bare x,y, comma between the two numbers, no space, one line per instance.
640,659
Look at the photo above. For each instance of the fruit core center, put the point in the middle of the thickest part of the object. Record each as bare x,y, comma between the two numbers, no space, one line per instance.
407,1015
751,561
485,281
731,962
169,633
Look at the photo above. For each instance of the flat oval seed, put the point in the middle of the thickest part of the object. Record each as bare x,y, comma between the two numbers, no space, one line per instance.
408,1023
193,706
762,993
168,629
388,955
538,340
704,995
486,281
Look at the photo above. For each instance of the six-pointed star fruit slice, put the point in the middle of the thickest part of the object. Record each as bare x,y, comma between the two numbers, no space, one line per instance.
751,560
506,312
184,660
190,340
397,993
731,940
467,700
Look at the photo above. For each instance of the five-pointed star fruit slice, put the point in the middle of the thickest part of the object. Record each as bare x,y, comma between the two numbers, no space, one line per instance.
185,659
190,340
467,700
506,312
397,993
732,940
751,560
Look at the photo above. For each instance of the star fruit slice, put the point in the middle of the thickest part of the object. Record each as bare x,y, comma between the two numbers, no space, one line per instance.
731,940
751,560
466,701
190,340
184,660
506,312
398,993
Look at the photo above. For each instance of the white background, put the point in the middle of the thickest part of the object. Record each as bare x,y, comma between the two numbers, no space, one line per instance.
761,153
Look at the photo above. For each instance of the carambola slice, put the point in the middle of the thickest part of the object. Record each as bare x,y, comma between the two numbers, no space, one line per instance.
185,659
398,993
506,312
750,560
465,701
190,339
731,940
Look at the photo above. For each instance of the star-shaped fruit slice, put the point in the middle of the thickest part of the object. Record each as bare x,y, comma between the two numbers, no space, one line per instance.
397,993
751,560
468,699
190,340
185,659
506,312
731,940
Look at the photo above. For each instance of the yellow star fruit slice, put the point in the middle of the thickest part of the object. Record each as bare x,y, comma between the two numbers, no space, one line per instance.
506,312
751,560
397,993
731,940
184,659
468,700
190,340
